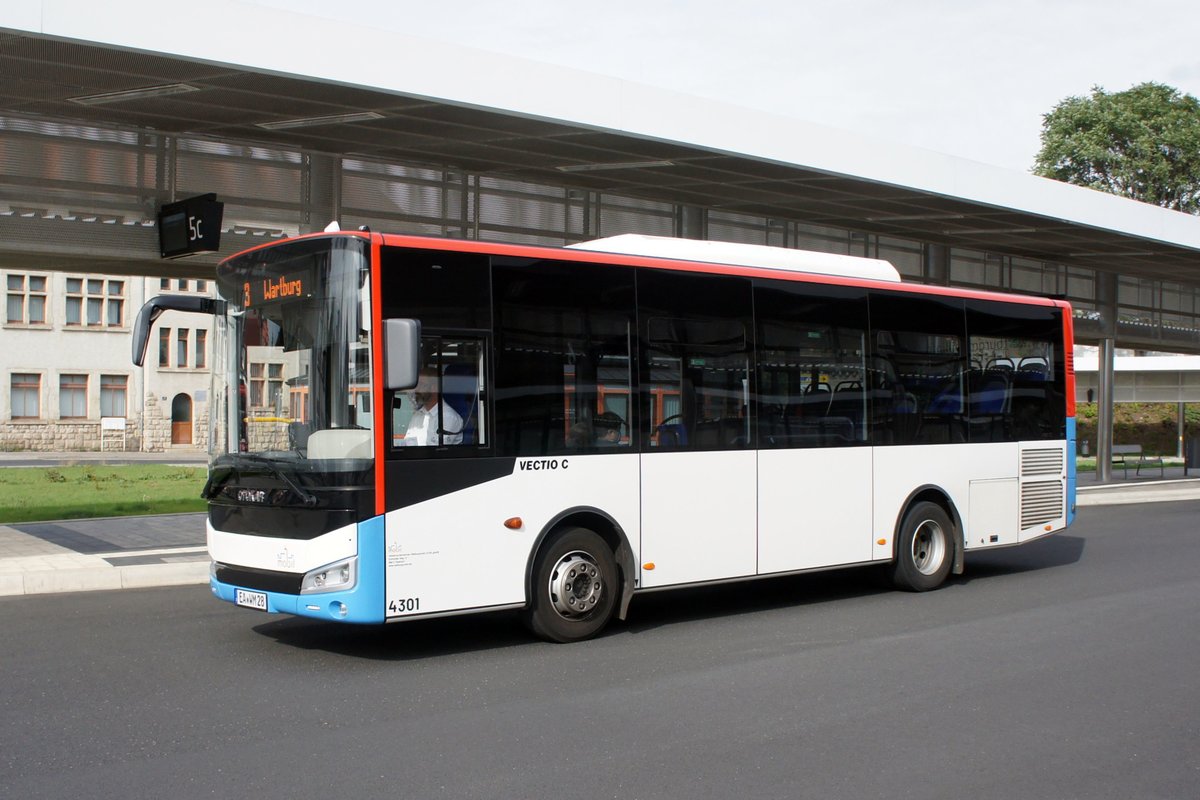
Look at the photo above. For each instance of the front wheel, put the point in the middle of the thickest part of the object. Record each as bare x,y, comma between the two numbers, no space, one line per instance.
925,548
574,588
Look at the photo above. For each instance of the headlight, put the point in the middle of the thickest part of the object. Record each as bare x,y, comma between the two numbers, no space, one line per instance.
336,577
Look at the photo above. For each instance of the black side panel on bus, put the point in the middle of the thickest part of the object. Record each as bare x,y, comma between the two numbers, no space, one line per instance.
812,368
443,290
564,334
697,347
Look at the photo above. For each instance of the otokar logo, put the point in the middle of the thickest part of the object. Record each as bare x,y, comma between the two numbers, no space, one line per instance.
252,495
285,560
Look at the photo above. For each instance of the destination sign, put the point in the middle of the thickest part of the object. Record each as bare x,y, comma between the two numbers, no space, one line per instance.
277,289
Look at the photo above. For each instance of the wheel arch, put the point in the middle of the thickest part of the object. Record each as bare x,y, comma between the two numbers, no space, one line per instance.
604,526
939,496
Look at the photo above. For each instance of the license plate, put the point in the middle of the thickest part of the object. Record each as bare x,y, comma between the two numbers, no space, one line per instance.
255,600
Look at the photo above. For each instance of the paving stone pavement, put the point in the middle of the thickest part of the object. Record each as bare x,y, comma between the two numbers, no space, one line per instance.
109,553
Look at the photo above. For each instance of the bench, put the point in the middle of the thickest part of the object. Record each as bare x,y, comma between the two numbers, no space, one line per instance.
1123,453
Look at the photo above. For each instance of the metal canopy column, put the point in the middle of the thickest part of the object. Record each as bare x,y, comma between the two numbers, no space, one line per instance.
322,190
1106,296
937,264
1179,422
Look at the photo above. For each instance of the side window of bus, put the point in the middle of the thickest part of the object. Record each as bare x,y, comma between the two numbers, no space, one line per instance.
446,291
1017,377
447,407
696,380
918,375
812,377
563,338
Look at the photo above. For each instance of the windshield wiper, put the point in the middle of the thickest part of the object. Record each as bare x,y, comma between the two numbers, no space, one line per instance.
239,459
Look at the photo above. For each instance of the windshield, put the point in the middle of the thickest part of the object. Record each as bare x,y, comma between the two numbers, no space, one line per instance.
292,368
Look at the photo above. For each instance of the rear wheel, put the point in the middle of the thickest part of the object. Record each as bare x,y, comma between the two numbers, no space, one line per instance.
574,588
925,549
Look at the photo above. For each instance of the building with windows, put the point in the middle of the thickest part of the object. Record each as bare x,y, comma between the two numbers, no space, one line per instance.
66,363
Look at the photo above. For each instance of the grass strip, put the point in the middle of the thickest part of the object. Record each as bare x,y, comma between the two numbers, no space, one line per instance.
35,494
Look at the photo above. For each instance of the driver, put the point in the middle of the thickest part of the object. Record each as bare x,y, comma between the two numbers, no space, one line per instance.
423,428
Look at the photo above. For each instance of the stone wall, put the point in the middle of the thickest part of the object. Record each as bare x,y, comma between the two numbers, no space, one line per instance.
67,436
61,436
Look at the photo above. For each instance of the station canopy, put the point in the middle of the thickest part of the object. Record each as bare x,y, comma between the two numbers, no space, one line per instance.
965,205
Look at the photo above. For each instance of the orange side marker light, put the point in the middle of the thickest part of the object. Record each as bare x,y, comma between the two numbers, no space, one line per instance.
514,523
648,565
881,541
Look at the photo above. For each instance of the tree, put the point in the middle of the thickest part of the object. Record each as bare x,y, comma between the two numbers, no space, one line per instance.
1142,143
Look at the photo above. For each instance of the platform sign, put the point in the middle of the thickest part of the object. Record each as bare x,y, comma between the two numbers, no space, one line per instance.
190,226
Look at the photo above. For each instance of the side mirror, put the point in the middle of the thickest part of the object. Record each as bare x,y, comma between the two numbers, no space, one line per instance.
401,353
154,308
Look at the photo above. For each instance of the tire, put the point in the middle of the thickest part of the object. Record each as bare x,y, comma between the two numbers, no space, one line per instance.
924,548
575,587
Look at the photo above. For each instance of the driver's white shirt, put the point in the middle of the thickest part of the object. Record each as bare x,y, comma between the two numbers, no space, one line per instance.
422,427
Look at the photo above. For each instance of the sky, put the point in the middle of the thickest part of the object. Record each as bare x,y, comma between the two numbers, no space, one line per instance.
962,77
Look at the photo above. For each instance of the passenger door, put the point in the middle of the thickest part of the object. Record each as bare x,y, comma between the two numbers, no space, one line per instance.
698,465
814,459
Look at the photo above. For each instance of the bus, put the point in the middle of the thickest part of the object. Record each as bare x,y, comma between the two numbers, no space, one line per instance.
405,427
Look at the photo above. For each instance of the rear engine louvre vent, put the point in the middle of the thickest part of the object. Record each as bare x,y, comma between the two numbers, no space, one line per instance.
1041,462
1041,502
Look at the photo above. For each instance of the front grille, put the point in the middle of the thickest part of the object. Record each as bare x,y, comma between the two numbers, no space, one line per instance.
263,580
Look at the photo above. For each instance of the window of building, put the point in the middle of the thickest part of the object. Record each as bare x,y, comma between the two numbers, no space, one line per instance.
164,347
112,395
181,348
266,386
258,386
201,360
115,305
72,396
26,302
96,302
24,395
164,284
274,385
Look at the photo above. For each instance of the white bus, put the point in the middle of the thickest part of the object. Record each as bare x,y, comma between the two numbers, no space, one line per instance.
407,427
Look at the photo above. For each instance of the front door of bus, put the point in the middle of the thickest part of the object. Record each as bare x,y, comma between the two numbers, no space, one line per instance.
698,470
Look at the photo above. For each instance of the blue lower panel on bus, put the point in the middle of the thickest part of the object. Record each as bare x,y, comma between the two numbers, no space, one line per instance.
1070,470
363,603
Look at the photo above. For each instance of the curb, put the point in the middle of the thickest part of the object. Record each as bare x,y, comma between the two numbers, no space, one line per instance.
91,579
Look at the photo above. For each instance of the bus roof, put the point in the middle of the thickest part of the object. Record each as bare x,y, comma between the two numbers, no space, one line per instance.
745,255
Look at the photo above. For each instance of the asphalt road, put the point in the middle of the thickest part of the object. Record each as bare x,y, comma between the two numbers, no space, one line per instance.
1063,669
